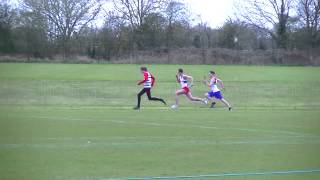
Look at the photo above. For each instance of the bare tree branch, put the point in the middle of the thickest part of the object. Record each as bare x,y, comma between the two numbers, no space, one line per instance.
135,11
271,16
68,16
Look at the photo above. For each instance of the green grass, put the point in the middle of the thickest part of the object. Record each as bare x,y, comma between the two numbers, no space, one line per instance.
49,113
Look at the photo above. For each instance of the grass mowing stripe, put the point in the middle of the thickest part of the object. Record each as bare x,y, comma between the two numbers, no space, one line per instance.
272,108
153,144
181,126
223,175
146,138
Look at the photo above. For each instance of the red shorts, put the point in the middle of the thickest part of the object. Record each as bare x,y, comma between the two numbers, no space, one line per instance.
186,90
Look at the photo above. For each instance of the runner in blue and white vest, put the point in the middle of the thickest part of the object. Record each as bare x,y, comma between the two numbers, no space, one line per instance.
213,83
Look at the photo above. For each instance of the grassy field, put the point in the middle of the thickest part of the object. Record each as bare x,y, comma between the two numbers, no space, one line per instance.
75,122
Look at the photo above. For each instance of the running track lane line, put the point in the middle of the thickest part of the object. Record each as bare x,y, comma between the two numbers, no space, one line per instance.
179,126
223,175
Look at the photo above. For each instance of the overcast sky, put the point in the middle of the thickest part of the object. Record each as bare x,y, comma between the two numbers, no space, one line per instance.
215,12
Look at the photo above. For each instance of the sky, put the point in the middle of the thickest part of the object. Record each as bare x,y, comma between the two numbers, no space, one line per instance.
214,12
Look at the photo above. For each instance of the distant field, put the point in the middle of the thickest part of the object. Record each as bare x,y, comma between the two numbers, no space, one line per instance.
74,122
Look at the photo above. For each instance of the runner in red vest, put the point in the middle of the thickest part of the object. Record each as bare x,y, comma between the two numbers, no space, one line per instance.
183,80
148,83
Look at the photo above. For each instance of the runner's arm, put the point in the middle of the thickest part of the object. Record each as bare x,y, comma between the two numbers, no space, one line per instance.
221,83
190,78
145,79
153,80
209,83
177,77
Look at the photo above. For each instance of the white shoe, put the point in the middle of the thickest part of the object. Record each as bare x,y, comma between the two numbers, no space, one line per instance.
174,106
205,102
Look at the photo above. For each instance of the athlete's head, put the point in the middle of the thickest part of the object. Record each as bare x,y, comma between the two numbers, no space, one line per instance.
143,69
180,71
212,74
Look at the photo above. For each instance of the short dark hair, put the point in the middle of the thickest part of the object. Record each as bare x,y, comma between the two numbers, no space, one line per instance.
212,72
180,70
143,68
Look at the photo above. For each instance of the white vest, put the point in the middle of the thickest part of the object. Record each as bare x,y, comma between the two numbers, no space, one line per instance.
148,83
183,82
214,86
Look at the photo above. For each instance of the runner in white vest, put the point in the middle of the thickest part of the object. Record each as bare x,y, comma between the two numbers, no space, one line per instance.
215,92
183,80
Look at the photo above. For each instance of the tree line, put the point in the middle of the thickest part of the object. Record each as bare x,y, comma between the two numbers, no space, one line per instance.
69,28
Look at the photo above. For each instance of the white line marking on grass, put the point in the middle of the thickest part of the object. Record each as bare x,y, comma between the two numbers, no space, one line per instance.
79,119
181,126
221,128
267,173
139,138
139,144
238,108
232,129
